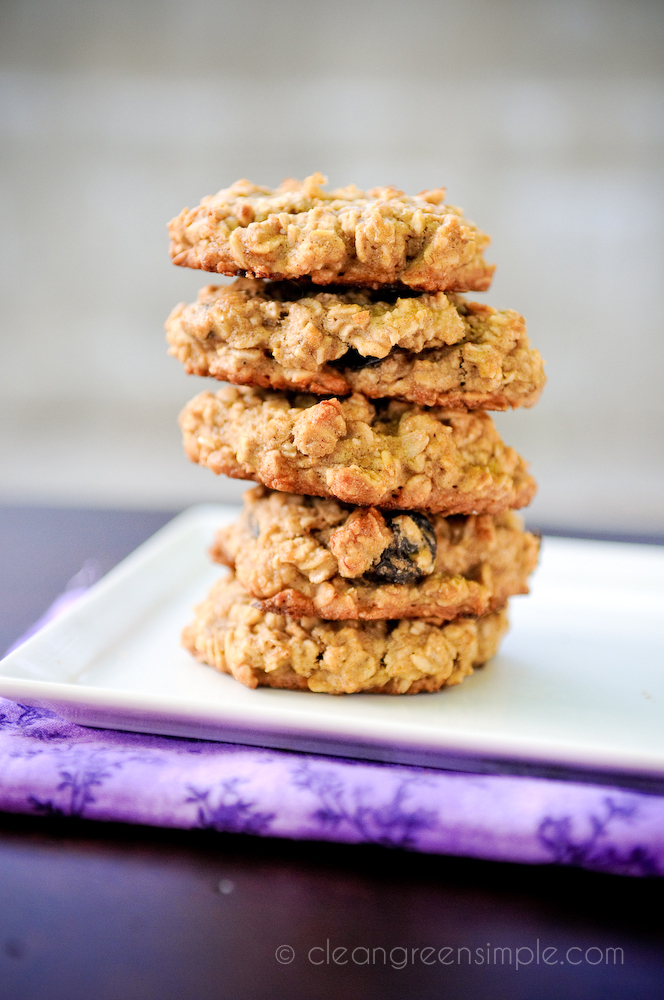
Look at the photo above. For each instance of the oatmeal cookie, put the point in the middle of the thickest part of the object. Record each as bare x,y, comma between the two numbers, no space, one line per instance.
387,454
306,556
347,236
261,648
432,349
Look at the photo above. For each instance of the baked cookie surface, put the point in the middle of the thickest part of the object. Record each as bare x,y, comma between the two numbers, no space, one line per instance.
342,657
432,349
306,556
346,236
390,454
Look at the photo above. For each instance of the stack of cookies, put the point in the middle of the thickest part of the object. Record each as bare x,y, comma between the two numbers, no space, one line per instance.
381,547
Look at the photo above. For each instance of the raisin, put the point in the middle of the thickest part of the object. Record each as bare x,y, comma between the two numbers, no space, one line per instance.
353,360
412,553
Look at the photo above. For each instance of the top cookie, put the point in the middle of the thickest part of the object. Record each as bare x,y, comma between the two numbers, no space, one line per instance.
346,236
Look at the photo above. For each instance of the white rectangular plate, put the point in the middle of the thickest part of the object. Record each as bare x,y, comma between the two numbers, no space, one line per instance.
578,684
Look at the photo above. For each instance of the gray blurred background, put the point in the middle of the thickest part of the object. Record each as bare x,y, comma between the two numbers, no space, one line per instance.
544,119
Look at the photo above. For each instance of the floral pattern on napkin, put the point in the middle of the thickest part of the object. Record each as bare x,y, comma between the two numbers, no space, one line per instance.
56,768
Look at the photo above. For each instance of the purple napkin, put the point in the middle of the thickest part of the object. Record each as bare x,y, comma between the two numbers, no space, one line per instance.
51,767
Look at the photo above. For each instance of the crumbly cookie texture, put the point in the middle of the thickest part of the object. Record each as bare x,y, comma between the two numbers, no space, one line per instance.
308,556
432,349
387,454
261,648
346,236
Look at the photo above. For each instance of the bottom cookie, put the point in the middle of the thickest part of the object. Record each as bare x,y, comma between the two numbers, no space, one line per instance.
260,648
